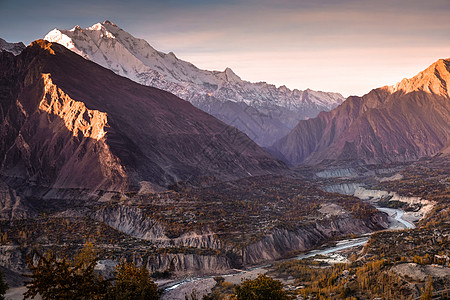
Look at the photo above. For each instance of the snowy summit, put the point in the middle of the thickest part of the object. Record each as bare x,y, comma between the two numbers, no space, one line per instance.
263,111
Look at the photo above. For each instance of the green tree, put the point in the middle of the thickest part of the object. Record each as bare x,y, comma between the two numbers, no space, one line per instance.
261,288
133,283
3,286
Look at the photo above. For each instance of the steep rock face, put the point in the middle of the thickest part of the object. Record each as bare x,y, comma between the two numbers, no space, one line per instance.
264,112
69,123
399,123
281,242
77,118
12,258
190,264
14,48
12,206
132,221
46,135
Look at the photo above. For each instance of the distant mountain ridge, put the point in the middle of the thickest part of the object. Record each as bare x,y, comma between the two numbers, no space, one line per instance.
403,122
67,122
264,112
14,48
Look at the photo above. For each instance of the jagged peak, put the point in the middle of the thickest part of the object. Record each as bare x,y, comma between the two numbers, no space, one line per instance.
106,30
76,28
172,55
4,41
97,26
231,76
43,44
108,22
14,48
54,30
435,80
166,65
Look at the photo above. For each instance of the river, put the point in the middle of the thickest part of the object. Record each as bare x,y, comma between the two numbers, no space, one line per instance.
177,290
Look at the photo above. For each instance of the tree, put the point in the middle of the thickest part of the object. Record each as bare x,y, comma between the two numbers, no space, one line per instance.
261,288
133,283
428,292
86,255
3,286
54,278
62,278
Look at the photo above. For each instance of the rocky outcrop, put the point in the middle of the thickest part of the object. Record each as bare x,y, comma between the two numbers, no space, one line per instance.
337,173
179,264
282,242
78,119
132,221
400,123
12,258
412,271
343,188
273,246
13,206
189,264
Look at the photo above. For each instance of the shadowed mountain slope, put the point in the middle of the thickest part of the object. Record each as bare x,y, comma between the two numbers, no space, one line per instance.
67,122
398,123
262,111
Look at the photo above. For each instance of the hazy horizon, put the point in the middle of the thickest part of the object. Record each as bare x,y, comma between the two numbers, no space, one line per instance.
343,46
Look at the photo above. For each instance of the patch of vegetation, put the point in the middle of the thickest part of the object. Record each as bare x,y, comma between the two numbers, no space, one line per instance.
369,275
262,287
53,277
243,211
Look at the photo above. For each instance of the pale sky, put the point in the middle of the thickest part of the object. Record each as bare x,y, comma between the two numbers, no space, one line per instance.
346,46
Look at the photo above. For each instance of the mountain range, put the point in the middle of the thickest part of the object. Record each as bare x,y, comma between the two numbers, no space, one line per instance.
262,111
14,48
67,122
404,122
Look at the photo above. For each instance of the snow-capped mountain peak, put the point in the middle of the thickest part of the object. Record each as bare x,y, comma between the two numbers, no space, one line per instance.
110,46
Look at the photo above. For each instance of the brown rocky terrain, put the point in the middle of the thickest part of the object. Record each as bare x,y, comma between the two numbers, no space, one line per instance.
66,122
398,123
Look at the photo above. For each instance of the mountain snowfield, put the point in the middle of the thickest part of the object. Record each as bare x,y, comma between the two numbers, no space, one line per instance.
263,111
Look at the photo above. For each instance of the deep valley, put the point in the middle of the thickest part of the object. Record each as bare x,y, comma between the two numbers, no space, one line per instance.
128,173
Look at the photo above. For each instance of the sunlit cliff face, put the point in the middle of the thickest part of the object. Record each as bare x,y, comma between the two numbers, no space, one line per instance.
77,118
434,80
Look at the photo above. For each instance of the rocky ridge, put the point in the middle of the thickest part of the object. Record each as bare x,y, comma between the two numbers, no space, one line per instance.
390,124
14,48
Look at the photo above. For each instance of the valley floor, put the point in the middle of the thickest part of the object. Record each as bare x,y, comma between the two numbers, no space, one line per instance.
198,234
